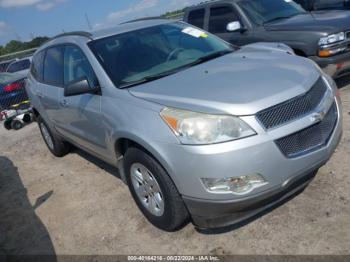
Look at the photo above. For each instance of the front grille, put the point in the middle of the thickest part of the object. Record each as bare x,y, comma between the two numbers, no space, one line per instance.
295,108
311,138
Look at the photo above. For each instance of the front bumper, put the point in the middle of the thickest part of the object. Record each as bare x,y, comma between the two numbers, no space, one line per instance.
218,214
259,154
335,66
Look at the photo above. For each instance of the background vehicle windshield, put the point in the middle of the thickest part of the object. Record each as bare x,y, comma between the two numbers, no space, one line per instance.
264,11
131,57
329,4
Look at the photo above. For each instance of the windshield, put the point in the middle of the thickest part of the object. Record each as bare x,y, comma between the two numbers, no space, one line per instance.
145,55
265,11
331,4
6,77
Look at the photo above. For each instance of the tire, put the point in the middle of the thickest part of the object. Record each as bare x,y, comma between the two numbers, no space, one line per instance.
57,146
174,215
7,124
17,124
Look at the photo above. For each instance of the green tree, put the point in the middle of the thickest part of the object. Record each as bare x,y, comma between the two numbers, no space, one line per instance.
16,46
13,46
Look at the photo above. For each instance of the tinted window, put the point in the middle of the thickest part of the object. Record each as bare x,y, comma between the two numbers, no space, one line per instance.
53,66
330,4
268,11
19,66
14,67
38,66
4,66
25,64
196,18
77,67
134,57
220,17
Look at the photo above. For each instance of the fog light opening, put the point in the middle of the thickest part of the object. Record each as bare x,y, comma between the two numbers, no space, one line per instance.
235,185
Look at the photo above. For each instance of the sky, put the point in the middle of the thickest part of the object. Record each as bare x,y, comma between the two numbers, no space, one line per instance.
25,19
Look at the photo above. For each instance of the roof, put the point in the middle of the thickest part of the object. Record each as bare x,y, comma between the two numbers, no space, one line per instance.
98,34
210,2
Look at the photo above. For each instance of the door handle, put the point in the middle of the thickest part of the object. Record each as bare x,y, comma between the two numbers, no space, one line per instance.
64,103
40,95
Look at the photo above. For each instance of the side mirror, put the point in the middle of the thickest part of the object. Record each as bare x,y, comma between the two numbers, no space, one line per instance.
234,26
79,87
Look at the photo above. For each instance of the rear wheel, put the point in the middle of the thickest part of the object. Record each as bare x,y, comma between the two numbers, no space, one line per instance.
154,192
17,124
56,145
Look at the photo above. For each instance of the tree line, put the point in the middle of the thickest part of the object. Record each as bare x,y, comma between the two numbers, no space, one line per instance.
16,46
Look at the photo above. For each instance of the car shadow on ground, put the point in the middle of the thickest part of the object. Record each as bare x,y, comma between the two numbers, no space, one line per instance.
21,231
97,162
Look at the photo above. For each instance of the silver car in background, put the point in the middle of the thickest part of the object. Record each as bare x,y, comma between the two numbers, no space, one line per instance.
199,129
20,66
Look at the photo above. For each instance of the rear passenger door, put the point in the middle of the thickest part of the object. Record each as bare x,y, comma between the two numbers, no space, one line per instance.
52,82
80,116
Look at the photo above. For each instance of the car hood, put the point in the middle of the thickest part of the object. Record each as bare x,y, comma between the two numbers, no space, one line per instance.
242,83
320,21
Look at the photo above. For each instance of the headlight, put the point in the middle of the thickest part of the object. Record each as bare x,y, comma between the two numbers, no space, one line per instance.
235,185
331,39
201,129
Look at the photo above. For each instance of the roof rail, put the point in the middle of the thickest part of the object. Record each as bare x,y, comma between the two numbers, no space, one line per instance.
76,33
144,19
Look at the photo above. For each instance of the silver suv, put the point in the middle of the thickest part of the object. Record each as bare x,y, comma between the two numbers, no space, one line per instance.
199,129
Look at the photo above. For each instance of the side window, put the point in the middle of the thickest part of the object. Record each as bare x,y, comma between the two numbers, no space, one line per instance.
220,17
76,66
25,64
53,66
38,66
15,67
196,17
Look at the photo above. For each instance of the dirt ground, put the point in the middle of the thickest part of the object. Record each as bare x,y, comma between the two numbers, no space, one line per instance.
78,205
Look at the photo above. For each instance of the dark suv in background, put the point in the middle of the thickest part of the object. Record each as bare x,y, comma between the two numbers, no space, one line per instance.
321,36
314,5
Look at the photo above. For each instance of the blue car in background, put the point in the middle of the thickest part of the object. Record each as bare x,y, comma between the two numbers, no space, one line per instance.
12,90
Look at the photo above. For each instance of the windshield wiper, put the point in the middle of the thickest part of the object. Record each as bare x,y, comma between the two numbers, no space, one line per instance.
210,57
149,78
277,18
171,72
281,17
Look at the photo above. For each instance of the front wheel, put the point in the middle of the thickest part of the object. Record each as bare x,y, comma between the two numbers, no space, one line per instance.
56,145
154,192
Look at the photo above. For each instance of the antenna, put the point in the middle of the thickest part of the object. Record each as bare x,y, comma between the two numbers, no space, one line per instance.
88,21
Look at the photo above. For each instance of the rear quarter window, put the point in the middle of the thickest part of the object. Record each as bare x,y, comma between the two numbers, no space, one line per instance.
37,69
53,66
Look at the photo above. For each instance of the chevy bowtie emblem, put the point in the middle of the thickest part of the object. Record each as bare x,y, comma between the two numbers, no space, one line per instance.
318,116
